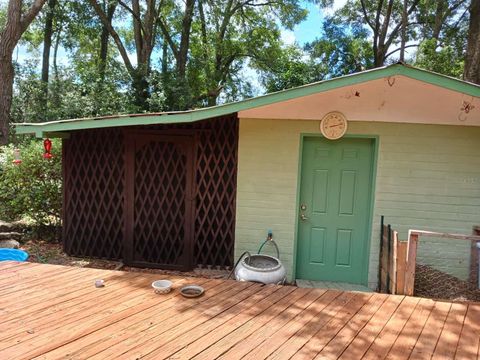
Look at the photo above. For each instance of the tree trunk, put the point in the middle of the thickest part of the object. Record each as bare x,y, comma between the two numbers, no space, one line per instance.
472,57
212,99
102,62
55,54
164,58
385,32
379,59
16,24
6,90
144,41
47,44
185,39
140,88
442,7
55,98
404,31
47,40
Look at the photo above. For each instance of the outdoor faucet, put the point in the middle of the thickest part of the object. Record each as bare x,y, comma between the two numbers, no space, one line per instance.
269,235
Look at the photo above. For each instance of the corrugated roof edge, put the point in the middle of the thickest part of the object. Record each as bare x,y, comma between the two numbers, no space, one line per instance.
57,127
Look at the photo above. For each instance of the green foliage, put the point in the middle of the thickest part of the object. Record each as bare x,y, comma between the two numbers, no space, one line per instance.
343,49
444,60
444,36
437,27
291,68
74,92
230,37
33,188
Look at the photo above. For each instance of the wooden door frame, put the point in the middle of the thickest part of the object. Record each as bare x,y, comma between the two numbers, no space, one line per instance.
189,140
373,172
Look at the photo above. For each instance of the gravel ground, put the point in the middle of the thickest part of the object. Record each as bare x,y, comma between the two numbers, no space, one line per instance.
435,284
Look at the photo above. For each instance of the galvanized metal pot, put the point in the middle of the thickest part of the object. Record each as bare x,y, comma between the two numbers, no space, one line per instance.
261,268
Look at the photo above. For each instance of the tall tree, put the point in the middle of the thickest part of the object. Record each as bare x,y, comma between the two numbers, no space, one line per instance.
442,32
47,44
18,19
109,9
181,52
148,20
472,57
383,18
176,27
208,46
234,33
145,19
341,50
292,68
438,18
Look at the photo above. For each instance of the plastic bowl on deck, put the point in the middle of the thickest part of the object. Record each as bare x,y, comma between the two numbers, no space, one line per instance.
13,255
162,286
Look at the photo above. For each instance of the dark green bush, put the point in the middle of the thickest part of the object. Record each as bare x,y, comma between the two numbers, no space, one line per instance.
32,189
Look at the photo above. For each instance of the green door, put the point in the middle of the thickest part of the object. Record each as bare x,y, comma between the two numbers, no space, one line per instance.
334,210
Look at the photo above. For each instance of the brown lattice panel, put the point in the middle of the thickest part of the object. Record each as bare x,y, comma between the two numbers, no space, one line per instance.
94,194
162,200
214,187
216,193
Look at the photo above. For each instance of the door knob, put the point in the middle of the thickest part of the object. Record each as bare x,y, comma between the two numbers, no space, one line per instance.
303,217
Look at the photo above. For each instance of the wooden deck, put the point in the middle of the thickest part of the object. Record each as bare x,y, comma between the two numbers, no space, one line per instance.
55,312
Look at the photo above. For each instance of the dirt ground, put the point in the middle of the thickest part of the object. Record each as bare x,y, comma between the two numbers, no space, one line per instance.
428,282
52,253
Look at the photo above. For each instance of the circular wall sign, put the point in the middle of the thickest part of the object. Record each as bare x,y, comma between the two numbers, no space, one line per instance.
333,125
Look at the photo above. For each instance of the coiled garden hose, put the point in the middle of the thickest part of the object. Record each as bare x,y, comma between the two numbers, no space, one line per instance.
273,243
238,261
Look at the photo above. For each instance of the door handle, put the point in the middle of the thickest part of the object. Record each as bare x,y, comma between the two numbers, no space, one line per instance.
303,217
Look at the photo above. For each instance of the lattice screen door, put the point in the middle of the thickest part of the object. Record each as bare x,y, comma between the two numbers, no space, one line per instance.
159,201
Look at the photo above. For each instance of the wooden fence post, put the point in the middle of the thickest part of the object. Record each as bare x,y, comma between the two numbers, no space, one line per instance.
389,257
394,263
401,266
380,256
411,263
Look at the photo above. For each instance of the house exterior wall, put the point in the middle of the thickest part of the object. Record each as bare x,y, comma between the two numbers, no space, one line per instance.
427,177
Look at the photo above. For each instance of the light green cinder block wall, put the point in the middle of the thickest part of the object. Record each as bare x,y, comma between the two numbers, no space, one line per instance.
428,177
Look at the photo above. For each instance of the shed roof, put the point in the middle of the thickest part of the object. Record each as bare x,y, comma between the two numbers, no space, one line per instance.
55,128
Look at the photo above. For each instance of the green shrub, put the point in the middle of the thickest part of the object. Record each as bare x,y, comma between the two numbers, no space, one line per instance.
33,188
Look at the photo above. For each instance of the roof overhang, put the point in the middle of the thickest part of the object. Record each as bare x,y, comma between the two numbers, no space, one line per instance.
57,128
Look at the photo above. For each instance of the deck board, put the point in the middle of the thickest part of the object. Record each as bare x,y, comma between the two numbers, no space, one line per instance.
261,338
308,333
469,343
408,337
342,340
55,312
275,332
171,328
365,338
426,343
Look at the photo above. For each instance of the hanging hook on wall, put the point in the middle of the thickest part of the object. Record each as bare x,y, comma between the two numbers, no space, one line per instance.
391,81
467,106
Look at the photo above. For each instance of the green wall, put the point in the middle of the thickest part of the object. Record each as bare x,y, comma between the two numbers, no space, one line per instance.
428,177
